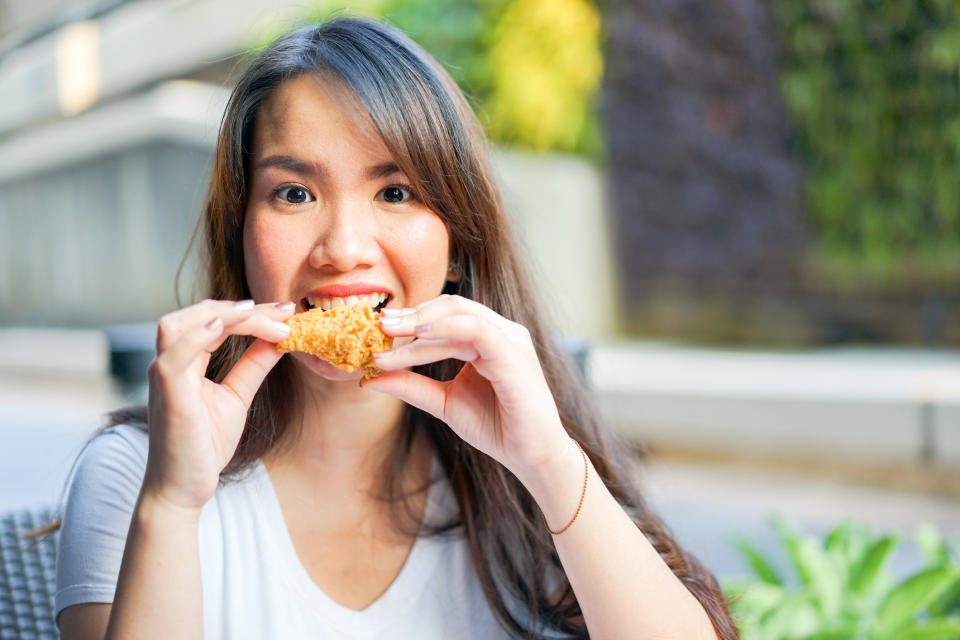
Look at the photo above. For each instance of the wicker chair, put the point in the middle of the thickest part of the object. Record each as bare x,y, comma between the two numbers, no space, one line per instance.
27,576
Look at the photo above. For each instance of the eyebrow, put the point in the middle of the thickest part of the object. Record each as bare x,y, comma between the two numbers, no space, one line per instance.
291,163
315,169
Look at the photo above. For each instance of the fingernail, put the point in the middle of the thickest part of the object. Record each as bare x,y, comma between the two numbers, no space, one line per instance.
396,312
423,328
244,305
391,321
282,327
382,354
213,326
284,306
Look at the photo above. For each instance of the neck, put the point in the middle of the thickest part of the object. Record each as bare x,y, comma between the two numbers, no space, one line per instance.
346,434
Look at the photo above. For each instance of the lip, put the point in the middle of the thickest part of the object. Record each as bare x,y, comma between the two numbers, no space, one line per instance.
327,370
344,290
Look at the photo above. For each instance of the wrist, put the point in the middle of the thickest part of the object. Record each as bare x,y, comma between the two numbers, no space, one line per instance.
557,484
154,508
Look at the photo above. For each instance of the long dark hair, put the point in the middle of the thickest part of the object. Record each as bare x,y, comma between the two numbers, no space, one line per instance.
433,136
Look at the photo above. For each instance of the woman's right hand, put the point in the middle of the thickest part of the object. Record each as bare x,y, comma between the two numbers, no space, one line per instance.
194,423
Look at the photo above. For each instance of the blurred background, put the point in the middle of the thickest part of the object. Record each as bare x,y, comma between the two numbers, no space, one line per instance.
745,216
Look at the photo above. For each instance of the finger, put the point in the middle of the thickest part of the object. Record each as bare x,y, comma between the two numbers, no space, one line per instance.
413,388
197,343
421,352
401,322
251,369
491,342
277,310
265,323
174,325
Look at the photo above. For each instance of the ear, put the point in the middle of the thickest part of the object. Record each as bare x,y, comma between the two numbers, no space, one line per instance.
455,266
454,272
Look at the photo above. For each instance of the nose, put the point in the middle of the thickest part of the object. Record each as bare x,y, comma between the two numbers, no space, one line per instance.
346,239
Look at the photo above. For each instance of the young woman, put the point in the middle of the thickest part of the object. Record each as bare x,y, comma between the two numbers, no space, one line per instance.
467,492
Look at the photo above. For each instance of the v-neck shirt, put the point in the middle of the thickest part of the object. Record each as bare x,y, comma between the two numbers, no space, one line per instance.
254,585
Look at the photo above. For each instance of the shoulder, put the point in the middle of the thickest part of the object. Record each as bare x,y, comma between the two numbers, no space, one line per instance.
111,465
121,439
102,493
120,448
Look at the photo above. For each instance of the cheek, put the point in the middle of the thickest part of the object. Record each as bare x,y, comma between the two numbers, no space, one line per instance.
424,248
266,251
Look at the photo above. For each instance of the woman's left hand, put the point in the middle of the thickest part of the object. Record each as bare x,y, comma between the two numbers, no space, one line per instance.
499,402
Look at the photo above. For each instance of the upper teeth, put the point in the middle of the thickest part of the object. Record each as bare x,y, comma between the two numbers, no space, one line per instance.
370,299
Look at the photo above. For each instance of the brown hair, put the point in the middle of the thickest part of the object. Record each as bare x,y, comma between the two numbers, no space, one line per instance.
433,136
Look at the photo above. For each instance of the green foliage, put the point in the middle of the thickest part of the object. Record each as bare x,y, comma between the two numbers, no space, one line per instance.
547,66
873,89
531,68
844,592
458,33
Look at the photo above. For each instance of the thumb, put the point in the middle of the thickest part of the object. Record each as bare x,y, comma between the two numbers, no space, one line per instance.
248,374
415,389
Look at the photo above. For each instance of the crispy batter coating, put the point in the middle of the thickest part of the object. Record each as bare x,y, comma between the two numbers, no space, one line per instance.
346,337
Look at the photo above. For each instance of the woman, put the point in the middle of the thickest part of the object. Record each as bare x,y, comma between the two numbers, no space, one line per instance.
466,492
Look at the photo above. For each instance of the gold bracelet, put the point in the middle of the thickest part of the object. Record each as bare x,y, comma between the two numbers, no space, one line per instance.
583,493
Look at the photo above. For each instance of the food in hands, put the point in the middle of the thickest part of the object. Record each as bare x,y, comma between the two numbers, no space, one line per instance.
346,337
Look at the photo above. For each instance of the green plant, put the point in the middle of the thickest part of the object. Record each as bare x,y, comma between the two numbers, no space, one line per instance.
531,67
844,592
873,90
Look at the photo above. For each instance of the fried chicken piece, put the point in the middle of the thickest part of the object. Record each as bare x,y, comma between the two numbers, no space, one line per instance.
346,337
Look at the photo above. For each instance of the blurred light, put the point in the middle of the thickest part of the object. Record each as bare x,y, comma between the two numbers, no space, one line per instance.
78,66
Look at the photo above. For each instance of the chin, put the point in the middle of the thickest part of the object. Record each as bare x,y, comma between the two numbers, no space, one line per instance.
326,370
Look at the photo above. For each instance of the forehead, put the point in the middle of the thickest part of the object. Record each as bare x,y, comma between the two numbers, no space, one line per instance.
305,111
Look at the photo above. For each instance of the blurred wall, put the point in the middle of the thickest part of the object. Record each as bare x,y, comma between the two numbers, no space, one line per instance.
99,241
707,191
97,207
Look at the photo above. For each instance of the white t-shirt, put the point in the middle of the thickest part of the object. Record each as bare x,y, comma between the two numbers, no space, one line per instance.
254,585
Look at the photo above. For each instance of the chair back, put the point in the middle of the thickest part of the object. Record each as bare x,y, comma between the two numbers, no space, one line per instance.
27,576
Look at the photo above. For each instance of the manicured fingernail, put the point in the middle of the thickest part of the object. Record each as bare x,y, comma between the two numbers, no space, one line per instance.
213,326
391,321
282,327
396,312
421,329
244,305
284,306
382,354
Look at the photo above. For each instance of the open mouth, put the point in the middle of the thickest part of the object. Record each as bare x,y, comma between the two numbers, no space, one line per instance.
376,300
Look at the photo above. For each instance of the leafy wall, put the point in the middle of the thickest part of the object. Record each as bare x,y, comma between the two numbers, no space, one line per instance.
873,91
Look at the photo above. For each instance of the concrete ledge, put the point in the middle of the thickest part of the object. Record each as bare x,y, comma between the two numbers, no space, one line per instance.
54,352
873,405
812,427
946,434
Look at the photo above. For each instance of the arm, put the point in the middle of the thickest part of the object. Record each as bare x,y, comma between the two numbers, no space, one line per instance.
501,404
85,621
159,592
195,426
94,550
148,588
623,586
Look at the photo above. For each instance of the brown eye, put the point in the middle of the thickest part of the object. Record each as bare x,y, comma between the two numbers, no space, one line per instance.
394,194
293,194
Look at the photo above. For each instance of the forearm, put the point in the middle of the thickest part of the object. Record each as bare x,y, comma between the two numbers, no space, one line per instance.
159,593
624,588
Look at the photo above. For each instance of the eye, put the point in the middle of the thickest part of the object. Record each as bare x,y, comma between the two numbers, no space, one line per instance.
292,194
395,194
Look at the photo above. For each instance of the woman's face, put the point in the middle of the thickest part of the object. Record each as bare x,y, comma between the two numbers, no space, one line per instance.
330,216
